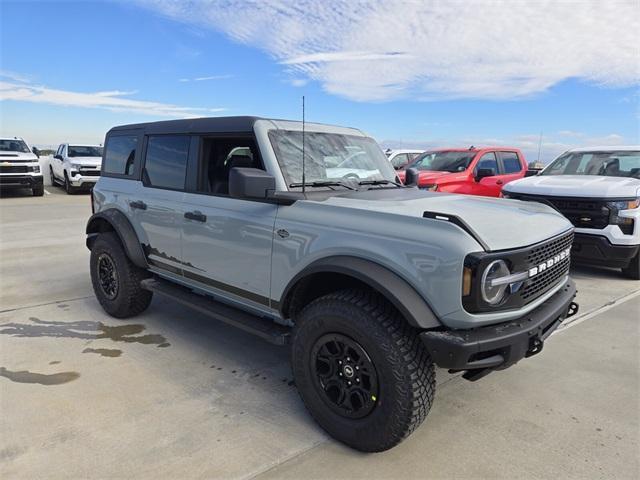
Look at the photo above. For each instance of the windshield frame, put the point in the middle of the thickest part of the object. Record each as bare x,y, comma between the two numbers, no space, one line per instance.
609,153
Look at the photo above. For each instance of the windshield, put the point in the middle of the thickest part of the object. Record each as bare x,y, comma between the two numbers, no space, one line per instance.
609,164
443,161
329,157
13,146
84,151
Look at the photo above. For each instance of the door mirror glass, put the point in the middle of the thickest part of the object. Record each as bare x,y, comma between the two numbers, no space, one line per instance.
484,173
251,183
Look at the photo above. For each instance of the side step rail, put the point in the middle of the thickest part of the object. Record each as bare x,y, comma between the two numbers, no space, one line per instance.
263,328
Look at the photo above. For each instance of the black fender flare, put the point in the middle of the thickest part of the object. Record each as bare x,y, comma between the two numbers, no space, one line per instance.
120,224
413,307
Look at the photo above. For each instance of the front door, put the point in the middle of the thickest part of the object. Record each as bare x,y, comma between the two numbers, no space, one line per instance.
489,186
226,241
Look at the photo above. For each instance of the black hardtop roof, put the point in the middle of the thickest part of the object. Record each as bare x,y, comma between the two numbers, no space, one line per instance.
195,125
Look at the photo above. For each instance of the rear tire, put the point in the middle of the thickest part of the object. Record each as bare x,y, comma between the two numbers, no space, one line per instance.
116,280
401,379
633,269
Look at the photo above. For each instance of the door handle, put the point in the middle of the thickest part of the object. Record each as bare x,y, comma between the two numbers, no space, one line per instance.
196,215
139,204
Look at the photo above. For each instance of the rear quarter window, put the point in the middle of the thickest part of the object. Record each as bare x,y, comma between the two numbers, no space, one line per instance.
511,162
120,155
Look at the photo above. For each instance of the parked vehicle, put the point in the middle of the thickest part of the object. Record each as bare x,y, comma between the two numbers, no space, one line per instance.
472,171
75,166
598,190
19,166
372,282
401,158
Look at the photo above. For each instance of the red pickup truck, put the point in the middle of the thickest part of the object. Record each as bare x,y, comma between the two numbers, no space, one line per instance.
473,171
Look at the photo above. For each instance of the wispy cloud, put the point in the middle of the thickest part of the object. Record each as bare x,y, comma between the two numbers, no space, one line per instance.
203,79
430,50
114,100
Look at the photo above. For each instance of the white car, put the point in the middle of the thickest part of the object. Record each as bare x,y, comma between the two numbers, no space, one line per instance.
401,158
76,166
19,166
598,190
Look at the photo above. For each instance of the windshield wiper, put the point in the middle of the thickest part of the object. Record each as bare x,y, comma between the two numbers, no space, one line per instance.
380,182
327,183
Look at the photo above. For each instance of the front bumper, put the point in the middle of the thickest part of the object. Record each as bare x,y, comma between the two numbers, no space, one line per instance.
481,350
598,250
20,181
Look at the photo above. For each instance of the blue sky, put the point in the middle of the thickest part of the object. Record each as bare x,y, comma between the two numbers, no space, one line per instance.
408,73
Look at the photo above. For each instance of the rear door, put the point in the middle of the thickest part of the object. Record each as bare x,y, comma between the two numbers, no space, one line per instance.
512,166
227,241
156,208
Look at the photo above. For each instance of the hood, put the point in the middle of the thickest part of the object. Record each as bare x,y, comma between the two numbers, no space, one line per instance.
499,223
17,157
576,186
86,161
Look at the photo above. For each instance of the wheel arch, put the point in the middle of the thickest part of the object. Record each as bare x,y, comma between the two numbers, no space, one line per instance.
113,220
334,273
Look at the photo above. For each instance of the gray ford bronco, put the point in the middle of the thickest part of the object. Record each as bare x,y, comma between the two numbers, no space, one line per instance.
373,283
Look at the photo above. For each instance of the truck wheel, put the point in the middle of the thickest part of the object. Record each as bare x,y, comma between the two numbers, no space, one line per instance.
361,370
67,185
54,182
116,280
38,190
633,269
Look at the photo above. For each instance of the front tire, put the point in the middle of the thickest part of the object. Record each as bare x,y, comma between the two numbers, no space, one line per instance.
116,280
361,370
633,269
67,185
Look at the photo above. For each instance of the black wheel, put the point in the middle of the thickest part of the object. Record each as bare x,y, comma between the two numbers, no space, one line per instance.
633,269
54,182
361,370
67,185
38,190
116,281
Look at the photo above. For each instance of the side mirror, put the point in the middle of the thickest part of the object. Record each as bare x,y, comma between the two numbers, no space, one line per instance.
411,177
531,173
250,183
58,157
36,152
484,173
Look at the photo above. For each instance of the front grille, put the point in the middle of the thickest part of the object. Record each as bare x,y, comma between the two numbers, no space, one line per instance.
582,212
14,169
90,173
543,281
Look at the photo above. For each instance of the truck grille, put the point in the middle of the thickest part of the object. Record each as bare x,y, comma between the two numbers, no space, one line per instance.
90,173
582,212
14,169
539,284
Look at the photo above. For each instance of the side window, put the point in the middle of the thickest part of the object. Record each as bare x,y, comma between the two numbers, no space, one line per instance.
510,162
488,160
400,160
120,154
165,164
218,156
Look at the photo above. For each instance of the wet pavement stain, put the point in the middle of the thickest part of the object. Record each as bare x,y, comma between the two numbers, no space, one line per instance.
55,362
26,376
104,352
84,330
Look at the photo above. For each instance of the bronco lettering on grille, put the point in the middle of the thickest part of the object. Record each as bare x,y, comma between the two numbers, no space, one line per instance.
550,262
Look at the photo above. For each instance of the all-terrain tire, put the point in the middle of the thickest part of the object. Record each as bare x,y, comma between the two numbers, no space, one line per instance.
70,189
405,371
633,269
130,298
38,191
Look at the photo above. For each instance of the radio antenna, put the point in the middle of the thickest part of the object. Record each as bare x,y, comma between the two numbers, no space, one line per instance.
304,178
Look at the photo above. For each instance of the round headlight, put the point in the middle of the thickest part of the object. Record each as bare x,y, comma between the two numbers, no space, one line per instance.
496,269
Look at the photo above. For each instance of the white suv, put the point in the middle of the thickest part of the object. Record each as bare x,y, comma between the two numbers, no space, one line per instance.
76,166
598,190
19,166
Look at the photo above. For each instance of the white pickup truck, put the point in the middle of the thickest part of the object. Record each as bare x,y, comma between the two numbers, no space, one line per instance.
76,166
598,190
19,166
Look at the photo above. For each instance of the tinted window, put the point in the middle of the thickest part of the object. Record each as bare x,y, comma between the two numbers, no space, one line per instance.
165,164
84,151
13,146
488,160
121,154
511,162
218,156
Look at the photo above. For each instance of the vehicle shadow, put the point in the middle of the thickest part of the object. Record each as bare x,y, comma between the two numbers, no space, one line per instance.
595,272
